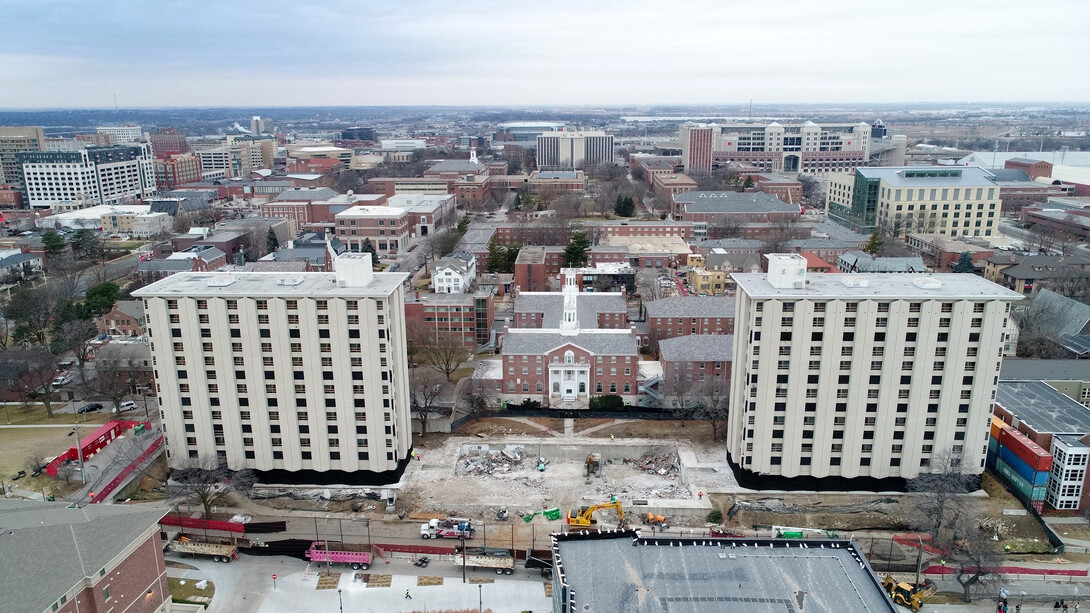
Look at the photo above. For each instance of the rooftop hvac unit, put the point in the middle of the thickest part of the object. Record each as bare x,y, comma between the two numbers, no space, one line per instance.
927,283
852,281
221,281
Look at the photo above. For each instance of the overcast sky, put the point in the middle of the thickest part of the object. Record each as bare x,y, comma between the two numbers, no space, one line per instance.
512,52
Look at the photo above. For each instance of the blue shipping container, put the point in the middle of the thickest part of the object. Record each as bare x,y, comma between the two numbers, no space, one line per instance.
1023,469
1018,483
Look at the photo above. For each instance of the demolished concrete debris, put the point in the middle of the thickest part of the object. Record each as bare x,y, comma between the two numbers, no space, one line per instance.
482,462
659,460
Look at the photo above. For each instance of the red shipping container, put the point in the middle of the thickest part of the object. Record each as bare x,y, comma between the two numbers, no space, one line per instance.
1033,454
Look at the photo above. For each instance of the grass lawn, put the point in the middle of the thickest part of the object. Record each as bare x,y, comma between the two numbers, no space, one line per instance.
182,593
130,245
18,444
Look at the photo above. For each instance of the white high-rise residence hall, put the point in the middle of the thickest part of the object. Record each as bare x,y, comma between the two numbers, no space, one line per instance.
862,375
300,374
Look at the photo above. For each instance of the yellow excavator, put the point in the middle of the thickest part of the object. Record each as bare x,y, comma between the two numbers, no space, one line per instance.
905,594
585,515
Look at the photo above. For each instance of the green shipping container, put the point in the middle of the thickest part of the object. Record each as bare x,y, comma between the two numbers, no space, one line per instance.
1017,482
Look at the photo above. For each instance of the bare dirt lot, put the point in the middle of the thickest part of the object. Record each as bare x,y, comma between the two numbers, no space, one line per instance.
18,444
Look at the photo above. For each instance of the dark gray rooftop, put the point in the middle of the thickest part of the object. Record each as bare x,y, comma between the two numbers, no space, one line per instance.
48,548
1044,370
306,194
1043,408
698,348
733,202
620,573
691,306
1060,314
588,306
598,342
456,166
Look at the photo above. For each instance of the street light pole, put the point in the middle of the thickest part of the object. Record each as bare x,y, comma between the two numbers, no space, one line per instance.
79,453
339,600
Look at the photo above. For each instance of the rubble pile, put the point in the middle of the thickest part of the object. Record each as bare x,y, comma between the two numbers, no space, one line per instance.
668,491
492,462
314,495
884,505
661,461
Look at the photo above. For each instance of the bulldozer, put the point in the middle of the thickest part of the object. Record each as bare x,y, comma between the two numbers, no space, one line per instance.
585,515
905,594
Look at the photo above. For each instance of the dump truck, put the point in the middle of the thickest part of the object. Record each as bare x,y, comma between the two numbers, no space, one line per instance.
905,594
218,553
500,560
356,556
450,528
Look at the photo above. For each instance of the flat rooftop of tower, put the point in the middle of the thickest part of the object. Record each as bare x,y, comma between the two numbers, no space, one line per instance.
868,286
270,284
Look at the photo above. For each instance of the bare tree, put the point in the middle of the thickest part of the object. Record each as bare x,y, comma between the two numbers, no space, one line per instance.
65,472
1072,281
76,336
210,482
715,403
446,355
114,375
654,336
939,489
34,462
424,392
478,396
182,223
974,553
603,283
725,227
41,368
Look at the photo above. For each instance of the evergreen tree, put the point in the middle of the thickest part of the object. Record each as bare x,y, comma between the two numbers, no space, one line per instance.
53,242
497,256
625,206
964,263
575,254
368,247
748,183
271,241
873,245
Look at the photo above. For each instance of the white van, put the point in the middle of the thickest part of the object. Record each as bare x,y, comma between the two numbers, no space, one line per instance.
128,405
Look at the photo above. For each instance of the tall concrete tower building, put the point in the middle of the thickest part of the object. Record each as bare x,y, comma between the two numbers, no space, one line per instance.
299,376
862,376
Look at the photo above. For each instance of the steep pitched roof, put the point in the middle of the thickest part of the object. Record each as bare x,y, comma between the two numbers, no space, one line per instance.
598,342
1063,315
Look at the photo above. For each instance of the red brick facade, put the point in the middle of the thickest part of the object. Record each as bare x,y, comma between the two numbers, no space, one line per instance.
669,327
129,582
529,374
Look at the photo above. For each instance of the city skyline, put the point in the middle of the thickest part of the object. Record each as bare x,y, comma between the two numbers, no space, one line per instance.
483,53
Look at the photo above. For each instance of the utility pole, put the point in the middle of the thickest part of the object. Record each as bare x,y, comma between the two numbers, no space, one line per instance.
79,453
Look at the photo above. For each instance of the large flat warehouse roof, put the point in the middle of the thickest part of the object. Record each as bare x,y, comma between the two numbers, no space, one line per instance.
619,572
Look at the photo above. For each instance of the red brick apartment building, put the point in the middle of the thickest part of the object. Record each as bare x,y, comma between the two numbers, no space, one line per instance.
696,366
386,226
685,315
95,559
434,318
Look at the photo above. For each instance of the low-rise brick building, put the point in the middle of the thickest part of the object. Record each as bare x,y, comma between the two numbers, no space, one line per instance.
696,366
685,315
434,318
125,319
93,559
387,227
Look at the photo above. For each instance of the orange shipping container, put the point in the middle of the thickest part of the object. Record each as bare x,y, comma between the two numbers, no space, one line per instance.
997,426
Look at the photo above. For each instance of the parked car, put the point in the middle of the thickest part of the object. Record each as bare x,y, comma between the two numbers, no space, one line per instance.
128,405
62,380
87,408
18,475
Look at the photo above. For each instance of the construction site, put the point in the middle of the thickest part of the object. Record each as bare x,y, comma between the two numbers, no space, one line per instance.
530,475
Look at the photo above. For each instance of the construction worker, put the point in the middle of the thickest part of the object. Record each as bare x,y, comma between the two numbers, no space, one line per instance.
700,495
611,439
407,595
